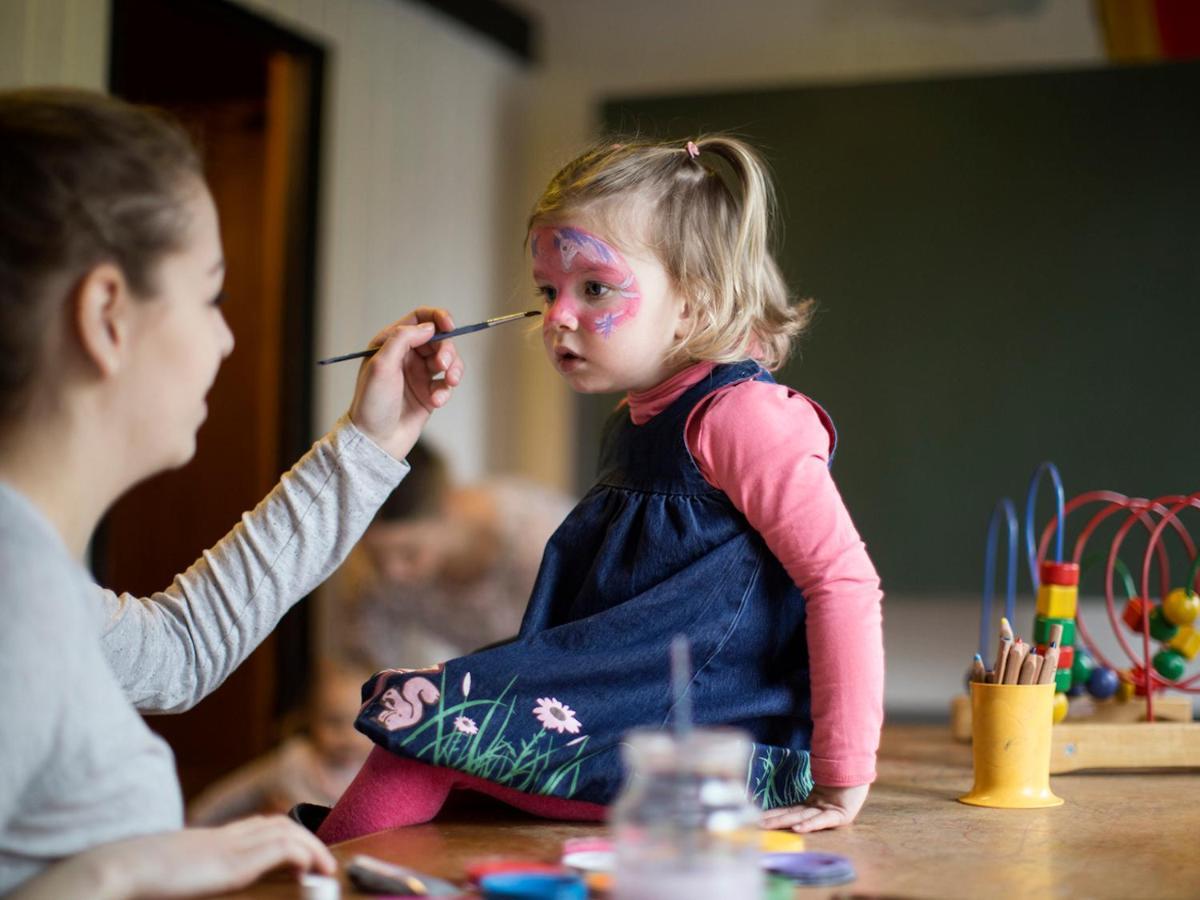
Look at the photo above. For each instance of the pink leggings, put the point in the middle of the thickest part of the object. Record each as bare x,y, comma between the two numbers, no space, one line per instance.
390,791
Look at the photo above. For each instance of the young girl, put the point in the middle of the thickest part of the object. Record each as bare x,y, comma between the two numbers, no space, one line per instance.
714,515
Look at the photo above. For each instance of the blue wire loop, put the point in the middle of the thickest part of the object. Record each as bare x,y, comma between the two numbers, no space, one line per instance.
1005,507
1030,503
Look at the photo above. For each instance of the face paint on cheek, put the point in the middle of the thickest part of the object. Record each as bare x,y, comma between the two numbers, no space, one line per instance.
605,322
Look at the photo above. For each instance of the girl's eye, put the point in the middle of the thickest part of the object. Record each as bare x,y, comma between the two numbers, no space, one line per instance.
596,289
549,294
219,299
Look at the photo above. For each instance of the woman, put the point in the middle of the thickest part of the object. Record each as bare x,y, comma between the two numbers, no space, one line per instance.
111,334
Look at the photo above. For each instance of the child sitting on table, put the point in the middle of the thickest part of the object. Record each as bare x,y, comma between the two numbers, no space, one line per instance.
714,516
313,767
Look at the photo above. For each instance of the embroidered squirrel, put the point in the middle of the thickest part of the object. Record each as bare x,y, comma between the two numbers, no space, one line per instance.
406,706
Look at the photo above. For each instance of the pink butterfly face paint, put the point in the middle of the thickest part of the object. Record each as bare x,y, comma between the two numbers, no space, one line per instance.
585,281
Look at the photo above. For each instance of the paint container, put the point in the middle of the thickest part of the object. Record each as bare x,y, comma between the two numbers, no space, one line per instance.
684,827
1010,744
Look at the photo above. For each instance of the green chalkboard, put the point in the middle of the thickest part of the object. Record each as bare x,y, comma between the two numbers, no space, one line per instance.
1008,270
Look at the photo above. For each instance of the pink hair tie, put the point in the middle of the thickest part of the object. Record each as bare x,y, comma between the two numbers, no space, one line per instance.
692,150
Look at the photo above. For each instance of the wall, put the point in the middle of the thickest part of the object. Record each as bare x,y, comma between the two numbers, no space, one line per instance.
53,42
421,130
417,142
593,52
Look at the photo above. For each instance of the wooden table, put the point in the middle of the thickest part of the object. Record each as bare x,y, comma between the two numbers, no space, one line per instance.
1118,835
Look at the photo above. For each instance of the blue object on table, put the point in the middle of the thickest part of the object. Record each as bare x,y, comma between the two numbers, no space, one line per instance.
533,886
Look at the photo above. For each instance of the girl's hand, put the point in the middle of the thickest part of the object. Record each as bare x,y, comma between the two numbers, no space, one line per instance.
397,390
189,863
826,807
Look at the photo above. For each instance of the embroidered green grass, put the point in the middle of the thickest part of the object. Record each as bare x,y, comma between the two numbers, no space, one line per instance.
526,766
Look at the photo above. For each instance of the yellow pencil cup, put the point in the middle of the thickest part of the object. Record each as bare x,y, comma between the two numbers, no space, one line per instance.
1010,743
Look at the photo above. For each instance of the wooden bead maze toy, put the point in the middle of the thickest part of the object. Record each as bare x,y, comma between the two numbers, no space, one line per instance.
1109,713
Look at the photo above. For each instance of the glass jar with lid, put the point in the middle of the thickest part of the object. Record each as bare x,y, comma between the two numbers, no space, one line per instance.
684,827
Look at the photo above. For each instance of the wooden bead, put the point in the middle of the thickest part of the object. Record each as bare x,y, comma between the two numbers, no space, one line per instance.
1043,624
1161,628
1057,602
1186,642
1170,664
1181,606
1064,574
1062,680
1133,613
1125,691
1103,683
1066,658
1082,667
1060,707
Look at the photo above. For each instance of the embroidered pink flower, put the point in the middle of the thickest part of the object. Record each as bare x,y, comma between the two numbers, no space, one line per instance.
556,716
466,725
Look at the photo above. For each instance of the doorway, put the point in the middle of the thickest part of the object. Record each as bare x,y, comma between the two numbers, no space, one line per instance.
250,94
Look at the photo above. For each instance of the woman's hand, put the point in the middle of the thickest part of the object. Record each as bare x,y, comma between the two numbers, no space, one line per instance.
826,807
401,385
188,863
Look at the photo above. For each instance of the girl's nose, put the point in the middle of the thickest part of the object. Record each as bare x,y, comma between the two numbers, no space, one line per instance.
562,315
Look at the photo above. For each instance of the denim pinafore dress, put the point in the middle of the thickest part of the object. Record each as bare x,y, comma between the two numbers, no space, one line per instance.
650,552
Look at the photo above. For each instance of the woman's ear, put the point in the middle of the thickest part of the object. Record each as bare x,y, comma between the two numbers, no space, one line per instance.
102,304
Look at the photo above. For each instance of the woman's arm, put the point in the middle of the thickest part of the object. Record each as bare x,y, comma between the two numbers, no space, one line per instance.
189,863
171,649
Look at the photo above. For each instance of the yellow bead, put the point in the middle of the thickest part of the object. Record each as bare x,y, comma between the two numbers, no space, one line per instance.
1181,606
1054,601
1125,691
1186,641
1060,707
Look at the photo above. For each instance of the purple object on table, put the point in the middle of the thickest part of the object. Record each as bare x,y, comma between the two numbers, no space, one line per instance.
810,867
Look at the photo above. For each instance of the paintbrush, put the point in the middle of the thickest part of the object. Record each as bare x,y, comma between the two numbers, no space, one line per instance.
440,336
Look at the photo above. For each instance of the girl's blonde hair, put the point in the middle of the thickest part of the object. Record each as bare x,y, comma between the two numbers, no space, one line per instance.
706,208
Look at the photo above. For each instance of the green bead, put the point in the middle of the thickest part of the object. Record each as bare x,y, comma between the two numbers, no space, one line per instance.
1083,666
1062,681
1161,628
1043,624
1170,664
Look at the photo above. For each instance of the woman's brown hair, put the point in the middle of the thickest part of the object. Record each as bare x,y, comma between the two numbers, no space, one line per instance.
84,179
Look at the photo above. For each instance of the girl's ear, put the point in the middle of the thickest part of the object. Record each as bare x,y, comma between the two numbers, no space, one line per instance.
102,305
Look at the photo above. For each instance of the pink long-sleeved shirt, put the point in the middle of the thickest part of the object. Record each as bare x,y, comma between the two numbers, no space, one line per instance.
767,447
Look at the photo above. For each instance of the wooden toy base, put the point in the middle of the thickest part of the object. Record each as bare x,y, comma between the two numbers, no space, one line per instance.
1111,712
1116,745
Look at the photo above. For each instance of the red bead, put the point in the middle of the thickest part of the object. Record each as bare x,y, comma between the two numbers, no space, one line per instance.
1066,657
1064,574
1133,613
